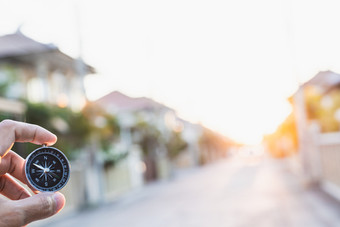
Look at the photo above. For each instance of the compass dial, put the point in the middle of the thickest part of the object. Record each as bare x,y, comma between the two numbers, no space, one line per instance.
47,169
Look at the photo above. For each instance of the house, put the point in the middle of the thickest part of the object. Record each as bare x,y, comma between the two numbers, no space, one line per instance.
40,72
150,117
315,123
201,144
320,101
127,109
312,103
117,102
324,81
136,115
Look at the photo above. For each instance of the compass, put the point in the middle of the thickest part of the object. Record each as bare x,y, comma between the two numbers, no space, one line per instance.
47,169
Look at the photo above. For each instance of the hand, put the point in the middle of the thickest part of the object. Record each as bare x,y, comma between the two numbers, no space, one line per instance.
22,208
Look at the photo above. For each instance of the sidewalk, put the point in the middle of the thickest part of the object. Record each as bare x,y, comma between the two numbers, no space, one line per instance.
235,193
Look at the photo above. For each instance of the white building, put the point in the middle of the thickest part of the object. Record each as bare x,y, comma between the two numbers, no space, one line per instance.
130,111
40,72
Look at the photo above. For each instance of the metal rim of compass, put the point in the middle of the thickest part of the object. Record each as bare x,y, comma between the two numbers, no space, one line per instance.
28,175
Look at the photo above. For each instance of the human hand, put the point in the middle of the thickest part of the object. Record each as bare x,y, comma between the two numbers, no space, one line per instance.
22,208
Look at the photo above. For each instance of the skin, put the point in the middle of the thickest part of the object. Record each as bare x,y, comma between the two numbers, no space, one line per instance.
21,207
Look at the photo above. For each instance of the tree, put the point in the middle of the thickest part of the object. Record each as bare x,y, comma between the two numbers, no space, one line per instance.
175,145
213,145
72,129
284,141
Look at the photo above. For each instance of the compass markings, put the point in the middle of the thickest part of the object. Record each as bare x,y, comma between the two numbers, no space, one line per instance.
49,168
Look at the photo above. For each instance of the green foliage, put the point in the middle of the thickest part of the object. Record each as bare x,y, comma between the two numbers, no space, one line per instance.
72,129
104,125
39,114
175,145
149,137
109,133
113,159
8,77
76,130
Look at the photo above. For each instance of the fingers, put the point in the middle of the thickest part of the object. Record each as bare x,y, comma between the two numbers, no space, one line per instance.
24,209
13,164
11,189
13,131
23,212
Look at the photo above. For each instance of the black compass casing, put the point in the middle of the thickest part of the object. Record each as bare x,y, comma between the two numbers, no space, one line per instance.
47,169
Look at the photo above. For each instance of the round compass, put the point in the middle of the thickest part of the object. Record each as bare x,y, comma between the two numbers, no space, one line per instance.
47,169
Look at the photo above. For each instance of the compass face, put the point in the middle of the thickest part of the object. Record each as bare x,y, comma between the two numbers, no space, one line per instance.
47,169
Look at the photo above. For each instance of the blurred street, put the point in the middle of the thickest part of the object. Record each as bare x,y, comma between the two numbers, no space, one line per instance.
238,192
175,113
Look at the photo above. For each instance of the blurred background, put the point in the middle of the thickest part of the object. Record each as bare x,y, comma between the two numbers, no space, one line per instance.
181,113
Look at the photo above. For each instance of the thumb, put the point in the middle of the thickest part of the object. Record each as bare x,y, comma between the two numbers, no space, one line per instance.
40,206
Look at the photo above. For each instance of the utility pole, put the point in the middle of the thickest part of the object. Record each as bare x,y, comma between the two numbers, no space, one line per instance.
299,109
94,173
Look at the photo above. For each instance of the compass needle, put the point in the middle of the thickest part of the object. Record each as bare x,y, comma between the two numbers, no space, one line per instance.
40,167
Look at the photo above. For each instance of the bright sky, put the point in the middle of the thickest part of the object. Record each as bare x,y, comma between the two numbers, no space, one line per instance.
230,65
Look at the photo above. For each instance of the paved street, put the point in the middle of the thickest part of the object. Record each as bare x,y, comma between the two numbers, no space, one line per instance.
235,193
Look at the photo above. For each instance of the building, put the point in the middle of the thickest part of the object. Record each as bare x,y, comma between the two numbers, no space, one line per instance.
317,118
324,81
40,72
156,118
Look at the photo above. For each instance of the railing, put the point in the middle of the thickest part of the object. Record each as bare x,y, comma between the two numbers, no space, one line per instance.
329,151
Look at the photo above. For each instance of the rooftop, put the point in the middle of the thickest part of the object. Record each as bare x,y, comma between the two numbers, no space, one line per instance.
324,80
17,44
118,101
19,47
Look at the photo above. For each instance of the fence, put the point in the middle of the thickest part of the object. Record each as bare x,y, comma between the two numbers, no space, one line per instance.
319,156
329,152
113,180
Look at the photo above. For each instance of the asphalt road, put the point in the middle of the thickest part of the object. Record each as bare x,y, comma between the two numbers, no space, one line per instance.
239,192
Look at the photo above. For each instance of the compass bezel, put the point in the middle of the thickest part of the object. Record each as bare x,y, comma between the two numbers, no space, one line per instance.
60,156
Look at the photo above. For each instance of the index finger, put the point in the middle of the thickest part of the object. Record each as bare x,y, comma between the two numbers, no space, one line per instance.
14,131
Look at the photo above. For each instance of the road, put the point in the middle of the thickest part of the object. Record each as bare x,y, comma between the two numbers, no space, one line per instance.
234,192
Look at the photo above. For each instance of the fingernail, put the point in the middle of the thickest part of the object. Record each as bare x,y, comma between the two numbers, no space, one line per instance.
59,200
